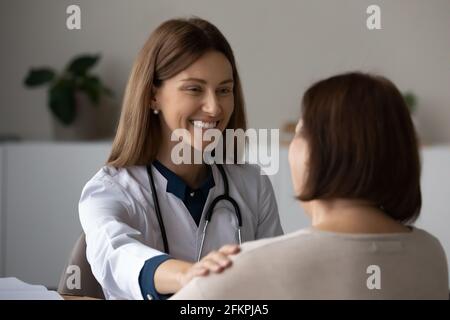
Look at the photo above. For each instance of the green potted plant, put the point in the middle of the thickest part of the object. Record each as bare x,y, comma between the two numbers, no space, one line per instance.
69,94
412,102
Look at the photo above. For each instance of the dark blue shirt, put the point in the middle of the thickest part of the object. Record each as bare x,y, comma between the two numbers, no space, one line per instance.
194,200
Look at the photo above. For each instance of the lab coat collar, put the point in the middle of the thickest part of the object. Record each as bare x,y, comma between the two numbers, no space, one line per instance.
178,187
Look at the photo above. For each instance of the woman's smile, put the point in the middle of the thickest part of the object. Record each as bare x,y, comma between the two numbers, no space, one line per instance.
204,124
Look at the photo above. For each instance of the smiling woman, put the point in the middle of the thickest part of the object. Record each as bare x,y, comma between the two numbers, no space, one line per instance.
184,65
200,97
149,221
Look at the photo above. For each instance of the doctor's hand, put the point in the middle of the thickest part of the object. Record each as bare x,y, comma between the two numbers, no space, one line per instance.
173,274
215,261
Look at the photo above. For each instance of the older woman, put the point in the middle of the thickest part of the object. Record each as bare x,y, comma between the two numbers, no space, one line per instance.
356,170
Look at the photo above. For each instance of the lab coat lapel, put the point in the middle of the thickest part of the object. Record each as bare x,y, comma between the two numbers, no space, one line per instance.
179,225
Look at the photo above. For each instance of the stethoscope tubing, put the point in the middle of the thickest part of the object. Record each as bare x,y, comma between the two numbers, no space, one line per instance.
224,197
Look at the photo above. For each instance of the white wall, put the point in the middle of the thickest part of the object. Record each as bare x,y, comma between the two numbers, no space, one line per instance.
281,47
42,184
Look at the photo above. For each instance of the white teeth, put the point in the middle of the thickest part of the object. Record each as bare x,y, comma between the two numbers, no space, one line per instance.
204,125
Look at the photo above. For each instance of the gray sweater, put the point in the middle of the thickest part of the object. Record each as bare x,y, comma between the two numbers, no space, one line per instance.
313,264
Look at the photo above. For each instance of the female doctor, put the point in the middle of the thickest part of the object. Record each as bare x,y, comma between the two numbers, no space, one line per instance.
152,225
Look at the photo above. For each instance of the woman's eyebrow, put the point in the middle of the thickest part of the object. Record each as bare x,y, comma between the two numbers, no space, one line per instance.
204,81
227,81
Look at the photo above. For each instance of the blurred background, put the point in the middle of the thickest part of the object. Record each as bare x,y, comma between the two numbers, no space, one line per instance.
48,152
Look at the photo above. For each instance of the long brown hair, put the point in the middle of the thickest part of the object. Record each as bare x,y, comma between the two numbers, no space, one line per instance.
170,49
362,144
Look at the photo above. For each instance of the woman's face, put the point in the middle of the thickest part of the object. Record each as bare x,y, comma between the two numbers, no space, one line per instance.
298,155
198,98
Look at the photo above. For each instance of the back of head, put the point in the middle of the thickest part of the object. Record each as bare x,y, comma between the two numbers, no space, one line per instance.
362,144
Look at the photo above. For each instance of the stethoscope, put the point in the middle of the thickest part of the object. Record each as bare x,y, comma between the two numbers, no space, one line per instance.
225,196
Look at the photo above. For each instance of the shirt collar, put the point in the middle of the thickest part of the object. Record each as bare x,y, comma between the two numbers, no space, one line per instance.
178,187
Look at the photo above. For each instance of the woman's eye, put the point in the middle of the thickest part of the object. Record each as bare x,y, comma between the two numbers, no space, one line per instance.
225,91
193,89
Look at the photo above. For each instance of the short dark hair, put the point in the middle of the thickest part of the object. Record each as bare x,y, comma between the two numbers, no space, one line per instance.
362,144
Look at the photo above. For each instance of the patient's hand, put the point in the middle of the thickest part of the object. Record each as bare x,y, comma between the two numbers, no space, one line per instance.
215,261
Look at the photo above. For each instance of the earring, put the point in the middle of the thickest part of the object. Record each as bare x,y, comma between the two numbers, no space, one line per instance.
155,111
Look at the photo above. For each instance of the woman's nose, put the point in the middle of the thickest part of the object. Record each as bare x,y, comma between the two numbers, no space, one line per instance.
212,104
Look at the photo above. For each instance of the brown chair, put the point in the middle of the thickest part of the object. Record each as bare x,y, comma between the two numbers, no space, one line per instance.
89,287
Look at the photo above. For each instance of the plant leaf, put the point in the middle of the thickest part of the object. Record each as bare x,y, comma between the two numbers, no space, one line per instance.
81,64
37,77
108,91
91,85
62,101
410,100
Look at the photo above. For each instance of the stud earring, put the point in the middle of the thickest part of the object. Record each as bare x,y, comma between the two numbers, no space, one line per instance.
155,111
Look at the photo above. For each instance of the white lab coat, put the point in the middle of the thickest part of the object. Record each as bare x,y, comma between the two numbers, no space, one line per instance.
122,231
